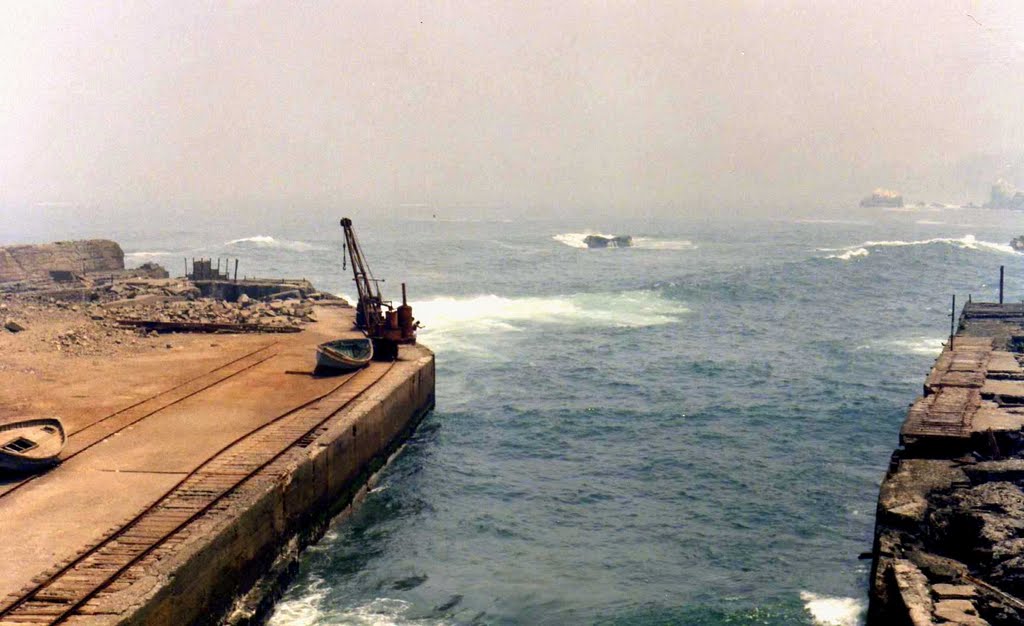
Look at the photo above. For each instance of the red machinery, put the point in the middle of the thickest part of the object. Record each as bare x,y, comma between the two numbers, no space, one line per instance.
387,328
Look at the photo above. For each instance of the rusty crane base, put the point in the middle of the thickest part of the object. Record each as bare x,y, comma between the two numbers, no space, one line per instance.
167,448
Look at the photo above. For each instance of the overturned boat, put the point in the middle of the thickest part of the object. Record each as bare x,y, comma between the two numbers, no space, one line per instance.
31,445
616,241
344,355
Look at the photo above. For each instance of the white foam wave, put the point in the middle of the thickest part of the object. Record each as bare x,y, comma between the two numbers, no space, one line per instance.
832,611
302,611
265,241
451,322
967,242
650,243
930,346
146,254
833,221
849,254
306,611
576,240
929,223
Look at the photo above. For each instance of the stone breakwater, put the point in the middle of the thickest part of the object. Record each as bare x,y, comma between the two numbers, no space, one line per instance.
949,530
35,262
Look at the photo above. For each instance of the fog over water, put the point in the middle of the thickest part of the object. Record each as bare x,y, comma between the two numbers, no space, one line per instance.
691,430
486,108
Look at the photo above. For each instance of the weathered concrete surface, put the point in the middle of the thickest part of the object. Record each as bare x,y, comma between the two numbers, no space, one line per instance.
34,262
140,423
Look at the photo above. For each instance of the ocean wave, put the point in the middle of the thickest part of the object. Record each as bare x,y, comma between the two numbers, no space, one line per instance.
448,321
301,611
849,254
967,242
929,223
576,240
833,221
265,241
650,243
306,611
833,611
146,254
930,346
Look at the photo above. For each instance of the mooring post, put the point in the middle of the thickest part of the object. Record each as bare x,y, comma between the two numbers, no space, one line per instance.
1002,269
952,322
236,270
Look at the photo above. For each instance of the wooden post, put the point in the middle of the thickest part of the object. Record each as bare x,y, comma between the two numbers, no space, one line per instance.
1002,269
236,270
952,322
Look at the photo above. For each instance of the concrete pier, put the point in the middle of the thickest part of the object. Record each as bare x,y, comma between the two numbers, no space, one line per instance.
194,463
949,529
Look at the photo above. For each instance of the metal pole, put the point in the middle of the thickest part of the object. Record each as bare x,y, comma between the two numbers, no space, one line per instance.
236,270
952,321
1002,269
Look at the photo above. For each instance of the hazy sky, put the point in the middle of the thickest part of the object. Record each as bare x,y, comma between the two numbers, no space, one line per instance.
515,107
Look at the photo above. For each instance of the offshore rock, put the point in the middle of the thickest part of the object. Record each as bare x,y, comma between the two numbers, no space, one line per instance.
598,241
883,198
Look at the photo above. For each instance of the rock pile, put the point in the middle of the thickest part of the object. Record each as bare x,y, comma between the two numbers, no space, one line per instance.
246,310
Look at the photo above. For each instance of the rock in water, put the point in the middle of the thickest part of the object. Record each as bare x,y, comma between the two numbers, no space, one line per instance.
599,241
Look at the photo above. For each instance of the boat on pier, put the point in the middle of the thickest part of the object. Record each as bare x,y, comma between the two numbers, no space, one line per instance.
344,355
31,445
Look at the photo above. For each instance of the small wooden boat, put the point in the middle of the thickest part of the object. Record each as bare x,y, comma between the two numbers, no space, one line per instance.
31,445
344,355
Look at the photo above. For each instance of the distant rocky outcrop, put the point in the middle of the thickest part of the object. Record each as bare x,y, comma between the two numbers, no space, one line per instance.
883,198
1005,196
52,261
617,241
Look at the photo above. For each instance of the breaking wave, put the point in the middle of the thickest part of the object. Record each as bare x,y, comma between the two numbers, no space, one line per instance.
967,242
307,611
264,241
810,220
930,346
575,240
650,243
849,254
448,321
143,255
832,611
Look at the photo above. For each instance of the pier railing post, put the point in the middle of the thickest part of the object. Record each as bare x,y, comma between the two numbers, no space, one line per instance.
952,322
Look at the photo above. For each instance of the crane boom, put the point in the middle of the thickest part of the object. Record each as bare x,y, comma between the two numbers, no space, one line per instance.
386,329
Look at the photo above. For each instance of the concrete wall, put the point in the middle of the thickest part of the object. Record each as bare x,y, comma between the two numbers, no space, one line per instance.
225,556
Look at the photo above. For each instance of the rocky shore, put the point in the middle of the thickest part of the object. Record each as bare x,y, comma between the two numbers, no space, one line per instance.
106,309
949,535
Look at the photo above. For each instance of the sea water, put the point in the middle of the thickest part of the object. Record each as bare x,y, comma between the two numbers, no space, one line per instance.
689,431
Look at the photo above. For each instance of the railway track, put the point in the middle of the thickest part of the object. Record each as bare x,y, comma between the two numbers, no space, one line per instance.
111,564
113,423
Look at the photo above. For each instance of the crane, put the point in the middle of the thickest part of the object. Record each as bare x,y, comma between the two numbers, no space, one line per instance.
386,328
